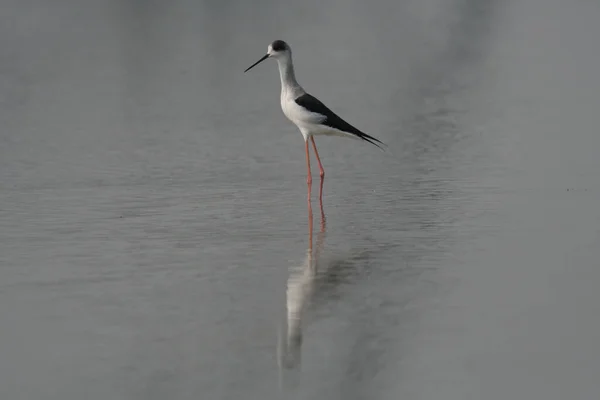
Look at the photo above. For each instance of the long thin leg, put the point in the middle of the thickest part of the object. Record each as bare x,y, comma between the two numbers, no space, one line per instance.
320,236
323,219
308,176
310,227
321,170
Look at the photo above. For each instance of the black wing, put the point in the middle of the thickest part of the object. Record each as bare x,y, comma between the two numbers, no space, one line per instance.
313,104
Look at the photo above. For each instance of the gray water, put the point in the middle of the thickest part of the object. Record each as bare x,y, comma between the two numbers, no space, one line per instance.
154,229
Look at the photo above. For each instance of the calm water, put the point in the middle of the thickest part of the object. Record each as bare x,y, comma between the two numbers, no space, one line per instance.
154,230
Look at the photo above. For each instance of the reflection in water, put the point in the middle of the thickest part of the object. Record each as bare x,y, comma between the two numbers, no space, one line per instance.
301,289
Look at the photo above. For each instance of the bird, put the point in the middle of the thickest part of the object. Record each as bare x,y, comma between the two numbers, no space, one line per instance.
309,114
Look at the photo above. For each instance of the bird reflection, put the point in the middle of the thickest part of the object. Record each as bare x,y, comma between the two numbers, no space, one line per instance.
301,290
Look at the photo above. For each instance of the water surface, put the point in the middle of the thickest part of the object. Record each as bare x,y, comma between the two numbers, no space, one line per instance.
154,230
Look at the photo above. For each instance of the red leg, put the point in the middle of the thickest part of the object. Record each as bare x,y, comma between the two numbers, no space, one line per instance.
321,191
310,227
321,170
323,219
308,177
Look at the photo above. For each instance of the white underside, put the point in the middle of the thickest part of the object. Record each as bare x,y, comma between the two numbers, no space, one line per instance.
309,123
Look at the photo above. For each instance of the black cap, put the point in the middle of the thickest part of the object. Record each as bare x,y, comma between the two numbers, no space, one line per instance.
279,45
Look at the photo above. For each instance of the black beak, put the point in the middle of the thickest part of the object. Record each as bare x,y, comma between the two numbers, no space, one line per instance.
258,62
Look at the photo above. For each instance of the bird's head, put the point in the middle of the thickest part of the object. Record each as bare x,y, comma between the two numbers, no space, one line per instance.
277,50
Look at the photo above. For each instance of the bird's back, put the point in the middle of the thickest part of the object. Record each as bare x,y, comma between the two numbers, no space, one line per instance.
320,114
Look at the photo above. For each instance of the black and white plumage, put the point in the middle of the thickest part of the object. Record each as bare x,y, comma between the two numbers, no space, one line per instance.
331,119
311,116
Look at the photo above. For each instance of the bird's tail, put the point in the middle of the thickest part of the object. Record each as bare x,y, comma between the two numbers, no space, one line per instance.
374,141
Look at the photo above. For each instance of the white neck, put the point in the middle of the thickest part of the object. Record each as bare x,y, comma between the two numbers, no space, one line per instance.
289,85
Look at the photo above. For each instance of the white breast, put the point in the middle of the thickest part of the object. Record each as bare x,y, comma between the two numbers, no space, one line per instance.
302,118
